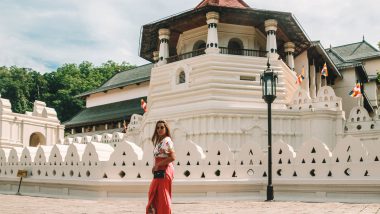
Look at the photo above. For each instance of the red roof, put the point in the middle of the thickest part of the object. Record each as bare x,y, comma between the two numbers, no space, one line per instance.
223,3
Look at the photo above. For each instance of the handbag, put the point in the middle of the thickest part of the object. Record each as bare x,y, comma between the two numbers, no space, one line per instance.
159,174
152,210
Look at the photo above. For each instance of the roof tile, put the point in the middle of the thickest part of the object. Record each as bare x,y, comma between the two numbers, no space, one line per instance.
223,3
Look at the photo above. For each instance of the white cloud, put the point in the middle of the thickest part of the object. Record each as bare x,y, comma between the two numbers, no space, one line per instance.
44,34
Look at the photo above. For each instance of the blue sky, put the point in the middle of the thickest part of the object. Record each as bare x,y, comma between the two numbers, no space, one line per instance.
44,34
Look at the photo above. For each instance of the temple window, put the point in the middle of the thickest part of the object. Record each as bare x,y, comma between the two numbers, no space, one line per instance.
181,77
200,44
235,46
199,48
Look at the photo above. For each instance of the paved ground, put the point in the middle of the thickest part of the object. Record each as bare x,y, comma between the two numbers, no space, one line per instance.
12,204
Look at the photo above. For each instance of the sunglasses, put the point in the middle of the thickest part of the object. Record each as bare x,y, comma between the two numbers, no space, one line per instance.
160,127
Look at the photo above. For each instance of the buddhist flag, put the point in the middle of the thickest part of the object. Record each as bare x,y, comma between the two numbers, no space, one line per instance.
356,91
324,71
143,105
300,77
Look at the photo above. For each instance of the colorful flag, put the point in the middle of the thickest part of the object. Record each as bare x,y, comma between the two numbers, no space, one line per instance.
143,105
324,71
300,77
356,91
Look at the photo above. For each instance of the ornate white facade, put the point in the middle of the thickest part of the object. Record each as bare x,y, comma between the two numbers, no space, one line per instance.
213,103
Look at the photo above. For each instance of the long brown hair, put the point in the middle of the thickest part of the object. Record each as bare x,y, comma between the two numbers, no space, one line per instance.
156,138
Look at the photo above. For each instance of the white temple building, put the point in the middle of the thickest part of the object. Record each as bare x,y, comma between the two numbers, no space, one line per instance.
205,81
38,128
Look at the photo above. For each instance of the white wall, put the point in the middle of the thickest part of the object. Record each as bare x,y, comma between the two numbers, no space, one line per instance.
299,62
343,86
117,95
16,129
372,66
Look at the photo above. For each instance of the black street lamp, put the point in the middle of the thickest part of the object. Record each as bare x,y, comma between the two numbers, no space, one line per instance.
268,81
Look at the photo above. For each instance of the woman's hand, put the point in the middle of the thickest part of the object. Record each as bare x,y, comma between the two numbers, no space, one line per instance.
155,168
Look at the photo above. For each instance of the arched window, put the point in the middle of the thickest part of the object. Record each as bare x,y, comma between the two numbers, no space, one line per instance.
199,48
37,139
200,44
235,46
181,77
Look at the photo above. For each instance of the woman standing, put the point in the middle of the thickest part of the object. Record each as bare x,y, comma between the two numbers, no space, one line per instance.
160,190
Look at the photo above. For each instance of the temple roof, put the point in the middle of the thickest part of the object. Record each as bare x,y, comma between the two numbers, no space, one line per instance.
133,76
112,112
288,30
350,55
223,3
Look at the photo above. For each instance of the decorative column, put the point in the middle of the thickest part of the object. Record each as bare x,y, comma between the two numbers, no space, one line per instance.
319,81
212,34
163,35
271,28
289,51
313,88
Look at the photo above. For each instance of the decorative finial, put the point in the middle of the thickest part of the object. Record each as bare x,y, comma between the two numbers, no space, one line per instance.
363,38
268,64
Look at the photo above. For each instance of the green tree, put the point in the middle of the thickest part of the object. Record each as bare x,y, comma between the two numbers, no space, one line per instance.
70,80
15,86
22,86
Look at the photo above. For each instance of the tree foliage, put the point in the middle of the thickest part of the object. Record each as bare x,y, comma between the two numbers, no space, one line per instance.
22,86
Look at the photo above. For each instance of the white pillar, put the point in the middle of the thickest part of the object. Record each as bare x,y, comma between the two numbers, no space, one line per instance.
163,36
271,28
212,34
289,51
313,89
319,82
305,83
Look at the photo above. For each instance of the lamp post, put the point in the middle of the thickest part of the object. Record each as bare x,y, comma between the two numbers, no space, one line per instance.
268,82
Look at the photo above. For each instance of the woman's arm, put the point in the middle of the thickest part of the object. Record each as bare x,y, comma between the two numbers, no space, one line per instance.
171,157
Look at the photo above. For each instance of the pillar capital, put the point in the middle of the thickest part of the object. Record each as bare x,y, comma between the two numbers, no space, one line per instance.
289,47
270,24
155,56
212,17
163,33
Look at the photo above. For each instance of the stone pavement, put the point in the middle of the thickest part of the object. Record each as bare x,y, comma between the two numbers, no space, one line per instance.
12,204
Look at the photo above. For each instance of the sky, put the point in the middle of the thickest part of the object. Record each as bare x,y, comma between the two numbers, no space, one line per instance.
45,34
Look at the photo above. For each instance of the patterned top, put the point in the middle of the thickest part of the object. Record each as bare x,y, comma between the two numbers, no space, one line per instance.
163,148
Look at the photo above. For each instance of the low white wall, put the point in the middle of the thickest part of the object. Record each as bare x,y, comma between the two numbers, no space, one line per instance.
122,169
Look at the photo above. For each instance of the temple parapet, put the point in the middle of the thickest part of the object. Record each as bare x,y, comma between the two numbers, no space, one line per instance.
325,100
359,121
301,101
